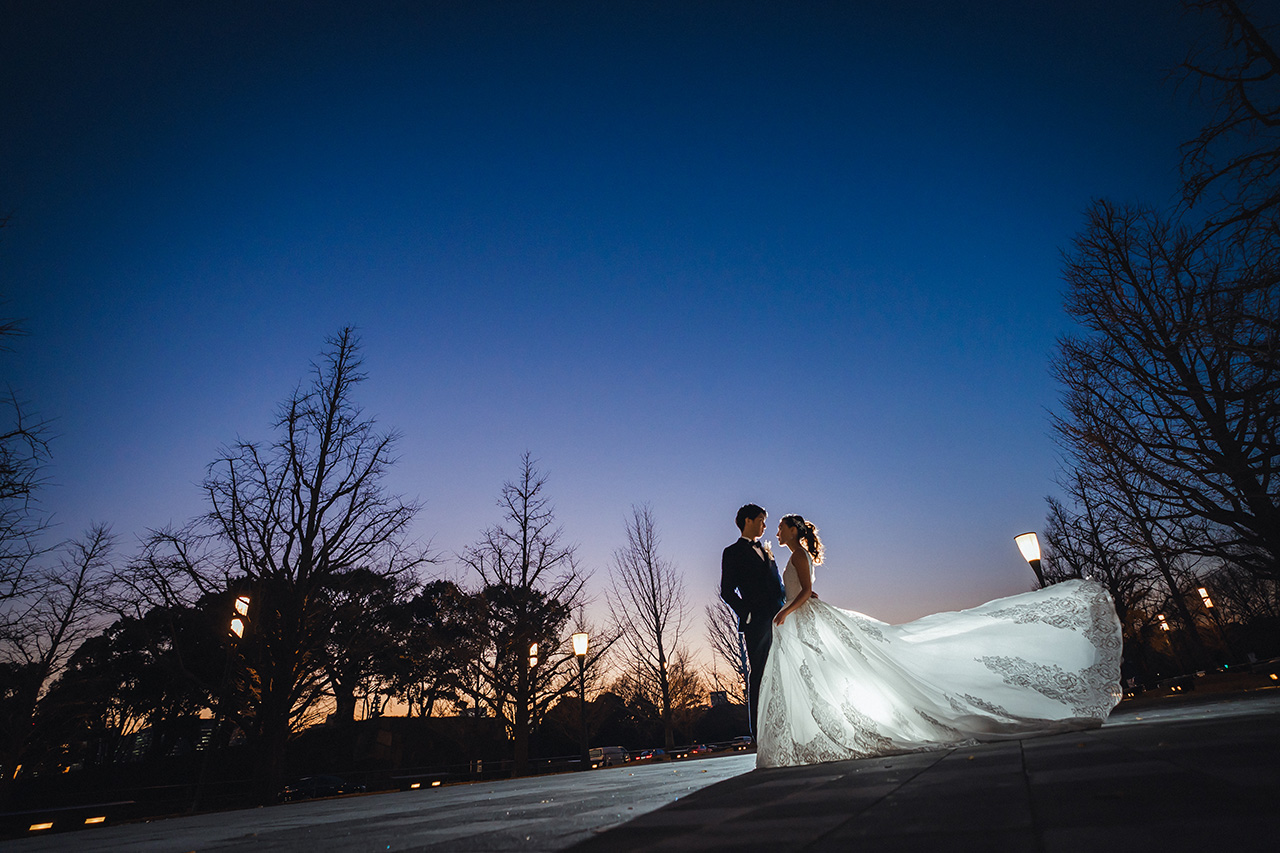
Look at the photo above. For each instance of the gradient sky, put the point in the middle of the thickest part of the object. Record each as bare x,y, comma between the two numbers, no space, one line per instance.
694,254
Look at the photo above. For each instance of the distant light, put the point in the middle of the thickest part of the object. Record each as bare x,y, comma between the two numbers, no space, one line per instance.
1029,545
1204,596
1164,624
36,827
242,605
435,784
580,643
1275,677
533,662
92,820
533,650
237,627
415,786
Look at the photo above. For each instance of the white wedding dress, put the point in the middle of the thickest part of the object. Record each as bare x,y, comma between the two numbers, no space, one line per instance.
839,684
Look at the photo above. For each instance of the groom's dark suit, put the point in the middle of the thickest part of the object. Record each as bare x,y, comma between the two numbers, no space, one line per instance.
750,584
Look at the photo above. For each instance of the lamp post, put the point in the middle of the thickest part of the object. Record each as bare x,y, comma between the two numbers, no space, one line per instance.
235,631
1029,545
580,643
1216,619
242,613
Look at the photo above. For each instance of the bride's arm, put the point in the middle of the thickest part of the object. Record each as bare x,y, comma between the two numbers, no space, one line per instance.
803,574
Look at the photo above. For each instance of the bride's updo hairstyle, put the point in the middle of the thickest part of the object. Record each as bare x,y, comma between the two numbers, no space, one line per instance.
808,533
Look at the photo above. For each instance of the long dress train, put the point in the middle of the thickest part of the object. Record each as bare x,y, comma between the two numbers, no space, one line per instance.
839,684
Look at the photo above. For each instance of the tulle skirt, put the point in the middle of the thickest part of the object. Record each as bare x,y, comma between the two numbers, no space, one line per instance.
840,685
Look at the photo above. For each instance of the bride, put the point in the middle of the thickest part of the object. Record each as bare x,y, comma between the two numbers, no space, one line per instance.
838,684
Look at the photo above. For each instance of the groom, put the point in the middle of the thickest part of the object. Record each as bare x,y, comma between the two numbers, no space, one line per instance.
750,585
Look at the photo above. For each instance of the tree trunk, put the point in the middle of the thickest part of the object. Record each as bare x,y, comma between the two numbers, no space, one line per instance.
668,732
344,711
520,733
269,763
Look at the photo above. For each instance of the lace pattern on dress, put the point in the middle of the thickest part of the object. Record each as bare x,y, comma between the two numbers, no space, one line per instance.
1090,692
871,629
846,635
1068,613
806,629
999,712
819,668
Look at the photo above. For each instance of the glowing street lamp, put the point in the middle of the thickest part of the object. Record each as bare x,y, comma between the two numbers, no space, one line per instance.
533,655
241,618
1029,545
580,643
1204,597
1164,623
239,621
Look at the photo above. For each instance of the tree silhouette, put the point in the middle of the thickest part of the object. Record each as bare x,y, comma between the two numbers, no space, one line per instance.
286,522
531,586
24,449
728,647
58,609
648,606
1232,166
438,635
1165,398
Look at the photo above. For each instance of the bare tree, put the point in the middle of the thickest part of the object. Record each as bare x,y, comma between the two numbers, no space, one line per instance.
285,523
1163,396
728,647
688,692
1172,403
1088,542
647,602
1243,597
24,449
1238,153
531,586
56,613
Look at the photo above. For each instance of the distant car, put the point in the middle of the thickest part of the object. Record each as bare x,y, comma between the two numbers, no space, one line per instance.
608,756
652,755
741,743
699,749
311,787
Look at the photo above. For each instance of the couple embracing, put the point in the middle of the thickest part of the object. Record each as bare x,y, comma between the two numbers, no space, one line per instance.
828,684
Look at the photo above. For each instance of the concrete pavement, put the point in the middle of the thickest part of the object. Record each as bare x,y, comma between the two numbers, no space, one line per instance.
1186,774
540,813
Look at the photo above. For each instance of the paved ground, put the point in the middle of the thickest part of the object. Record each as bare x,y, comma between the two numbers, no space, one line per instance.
534,814
1182,775
1191,775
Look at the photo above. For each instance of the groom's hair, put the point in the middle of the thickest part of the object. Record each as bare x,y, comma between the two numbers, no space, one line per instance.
749,511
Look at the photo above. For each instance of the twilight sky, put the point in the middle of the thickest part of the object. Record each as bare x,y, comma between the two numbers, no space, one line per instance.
686,253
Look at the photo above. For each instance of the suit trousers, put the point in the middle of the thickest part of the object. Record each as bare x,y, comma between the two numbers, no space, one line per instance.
758,634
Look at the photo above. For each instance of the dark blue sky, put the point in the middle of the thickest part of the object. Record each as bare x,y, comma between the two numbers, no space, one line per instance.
692,254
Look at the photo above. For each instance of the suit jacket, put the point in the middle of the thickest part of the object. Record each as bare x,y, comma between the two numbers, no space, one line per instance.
749,585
